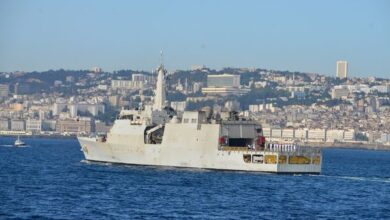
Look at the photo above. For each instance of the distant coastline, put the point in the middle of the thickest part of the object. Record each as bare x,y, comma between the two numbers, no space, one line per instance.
368,146
43,136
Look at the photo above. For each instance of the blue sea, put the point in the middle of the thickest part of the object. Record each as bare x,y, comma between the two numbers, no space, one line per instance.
49,179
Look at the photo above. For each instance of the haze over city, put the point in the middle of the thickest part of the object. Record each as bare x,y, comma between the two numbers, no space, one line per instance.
306,36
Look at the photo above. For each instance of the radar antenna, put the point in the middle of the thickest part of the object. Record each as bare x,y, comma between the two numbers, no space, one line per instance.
161,58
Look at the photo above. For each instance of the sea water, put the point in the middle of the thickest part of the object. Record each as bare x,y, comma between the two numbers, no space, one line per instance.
49,179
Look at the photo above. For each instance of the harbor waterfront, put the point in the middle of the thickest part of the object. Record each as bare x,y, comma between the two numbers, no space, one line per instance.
49,179
356,145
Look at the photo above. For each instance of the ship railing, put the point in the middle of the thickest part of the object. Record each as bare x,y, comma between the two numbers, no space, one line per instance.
298,150
235,148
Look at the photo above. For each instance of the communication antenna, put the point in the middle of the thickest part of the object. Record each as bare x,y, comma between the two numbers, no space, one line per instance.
161,57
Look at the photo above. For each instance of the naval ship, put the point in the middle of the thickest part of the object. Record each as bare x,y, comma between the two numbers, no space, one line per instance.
154,134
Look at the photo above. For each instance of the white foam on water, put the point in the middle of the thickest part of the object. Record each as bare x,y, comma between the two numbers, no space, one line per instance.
85,161
10,145
7,145
359,178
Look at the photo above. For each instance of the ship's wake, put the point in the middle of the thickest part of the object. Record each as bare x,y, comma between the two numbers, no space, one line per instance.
358,178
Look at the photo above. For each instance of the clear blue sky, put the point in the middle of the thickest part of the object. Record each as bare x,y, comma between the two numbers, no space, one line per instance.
302,35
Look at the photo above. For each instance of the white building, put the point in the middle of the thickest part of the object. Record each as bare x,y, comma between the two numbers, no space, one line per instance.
340,92
103,87
94,109
232,105
267,132
179,106
18,125
197,86
34,125
127,84
382,88
96,69
138,77
276,133
69,79
342,69
385,138
57,83
58,108
261,107
4,124
49,125
4,90
288,133
349,135
224,80
298,94
316,134
225,84
334,135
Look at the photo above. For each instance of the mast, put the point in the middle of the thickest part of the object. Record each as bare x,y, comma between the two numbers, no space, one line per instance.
160,96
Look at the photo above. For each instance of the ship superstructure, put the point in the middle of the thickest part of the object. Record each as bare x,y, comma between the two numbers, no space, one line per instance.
154,135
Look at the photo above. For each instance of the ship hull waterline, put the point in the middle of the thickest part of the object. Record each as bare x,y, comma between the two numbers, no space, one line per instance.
182,157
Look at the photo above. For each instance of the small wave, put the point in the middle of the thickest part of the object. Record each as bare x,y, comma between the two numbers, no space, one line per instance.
23,146
360,178
96,162
10,145
6,145
85,161
372,179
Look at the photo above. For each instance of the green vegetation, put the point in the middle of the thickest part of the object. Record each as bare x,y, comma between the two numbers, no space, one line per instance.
109,115
191,76
176,96
198,105
257,95
361,137
333,102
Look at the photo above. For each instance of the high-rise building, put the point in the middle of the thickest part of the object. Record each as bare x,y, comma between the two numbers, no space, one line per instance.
339,92
137,77
79,126
34,125
96,70
225,84
342,69
4,90
4,124
224,80
21,89
18,125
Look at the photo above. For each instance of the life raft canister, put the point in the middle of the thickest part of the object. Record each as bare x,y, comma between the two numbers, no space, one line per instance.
222,140
261,141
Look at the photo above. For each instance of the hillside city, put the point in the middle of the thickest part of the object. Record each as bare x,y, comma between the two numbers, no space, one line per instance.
289,105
